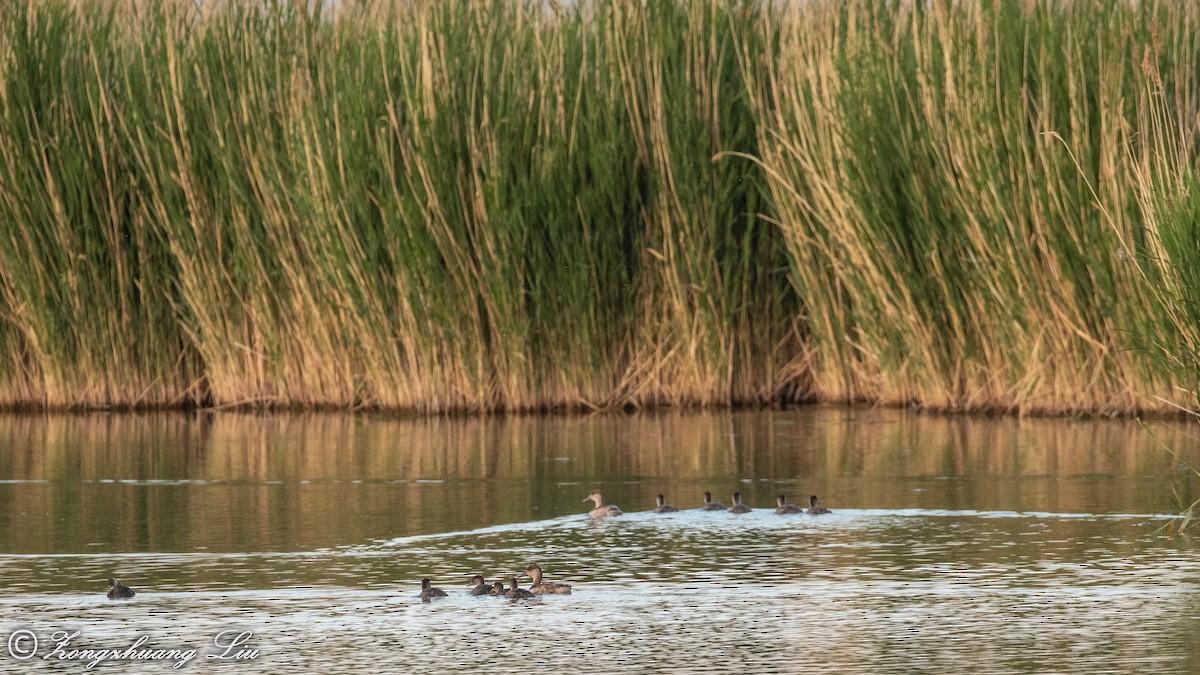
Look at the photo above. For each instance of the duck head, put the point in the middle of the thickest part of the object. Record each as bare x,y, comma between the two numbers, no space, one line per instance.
534,572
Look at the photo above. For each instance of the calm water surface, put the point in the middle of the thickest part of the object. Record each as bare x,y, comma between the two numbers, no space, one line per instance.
1010,545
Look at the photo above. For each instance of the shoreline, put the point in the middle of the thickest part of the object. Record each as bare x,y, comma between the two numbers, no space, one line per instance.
1165,411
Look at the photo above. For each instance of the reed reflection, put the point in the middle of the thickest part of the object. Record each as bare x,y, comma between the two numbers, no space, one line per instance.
292,482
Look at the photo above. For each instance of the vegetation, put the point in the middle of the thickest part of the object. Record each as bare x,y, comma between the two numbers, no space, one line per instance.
504,205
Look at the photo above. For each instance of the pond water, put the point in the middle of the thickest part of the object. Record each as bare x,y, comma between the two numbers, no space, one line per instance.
1010,545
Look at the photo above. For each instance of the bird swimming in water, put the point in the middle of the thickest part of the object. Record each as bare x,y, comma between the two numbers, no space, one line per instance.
428,591
710,505
498,588
601,511
782,507
738,506
478,587
517,593
539,587
663,506
118,590
815,509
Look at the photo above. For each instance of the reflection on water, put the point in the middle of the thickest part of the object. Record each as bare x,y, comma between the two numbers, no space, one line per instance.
1015,545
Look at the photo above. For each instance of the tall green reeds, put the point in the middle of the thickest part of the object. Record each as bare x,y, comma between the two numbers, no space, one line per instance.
505,205
431,206
964,189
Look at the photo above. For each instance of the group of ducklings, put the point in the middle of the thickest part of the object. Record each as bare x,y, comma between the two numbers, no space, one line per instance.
782,507
119,591
514,592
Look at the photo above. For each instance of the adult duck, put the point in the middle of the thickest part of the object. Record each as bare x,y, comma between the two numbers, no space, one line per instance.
540,587
602,510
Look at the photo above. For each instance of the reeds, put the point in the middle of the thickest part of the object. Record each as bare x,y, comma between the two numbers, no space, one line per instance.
491,205
428,206
966,190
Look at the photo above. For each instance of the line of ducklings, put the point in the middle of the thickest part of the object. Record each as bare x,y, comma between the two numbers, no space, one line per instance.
782,507
479,586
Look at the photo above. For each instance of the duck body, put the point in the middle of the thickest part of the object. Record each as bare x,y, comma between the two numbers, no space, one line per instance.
118,590
498,589
815,508
738,506
710,505
539,587
663,506
602,510
550,588
428,591
783,508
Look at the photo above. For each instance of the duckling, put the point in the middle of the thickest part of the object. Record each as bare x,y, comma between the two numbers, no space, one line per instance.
516,593
663,506
782,507
738,506
601,511
498,588
478,587
539,587
816,509
710,505
428,591
118,590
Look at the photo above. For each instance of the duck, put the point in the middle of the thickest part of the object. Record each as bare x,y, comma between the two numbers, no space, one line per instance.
539,587
517,593
478,587
710,505
738,506
498,589
601,511
118,590
428,591
663,506
814,508
783,508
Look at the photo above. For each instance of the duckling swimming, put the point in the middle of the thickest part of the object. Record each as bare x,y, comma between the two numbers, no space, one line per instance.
118,590
601,511
498,588
738,506
663,506
539,587
428,591
517,593
478,587
782,507
710,505
816,509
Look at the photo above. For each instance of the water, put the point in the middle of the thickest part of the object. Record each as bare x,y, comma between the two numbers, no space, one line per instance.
1010,545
